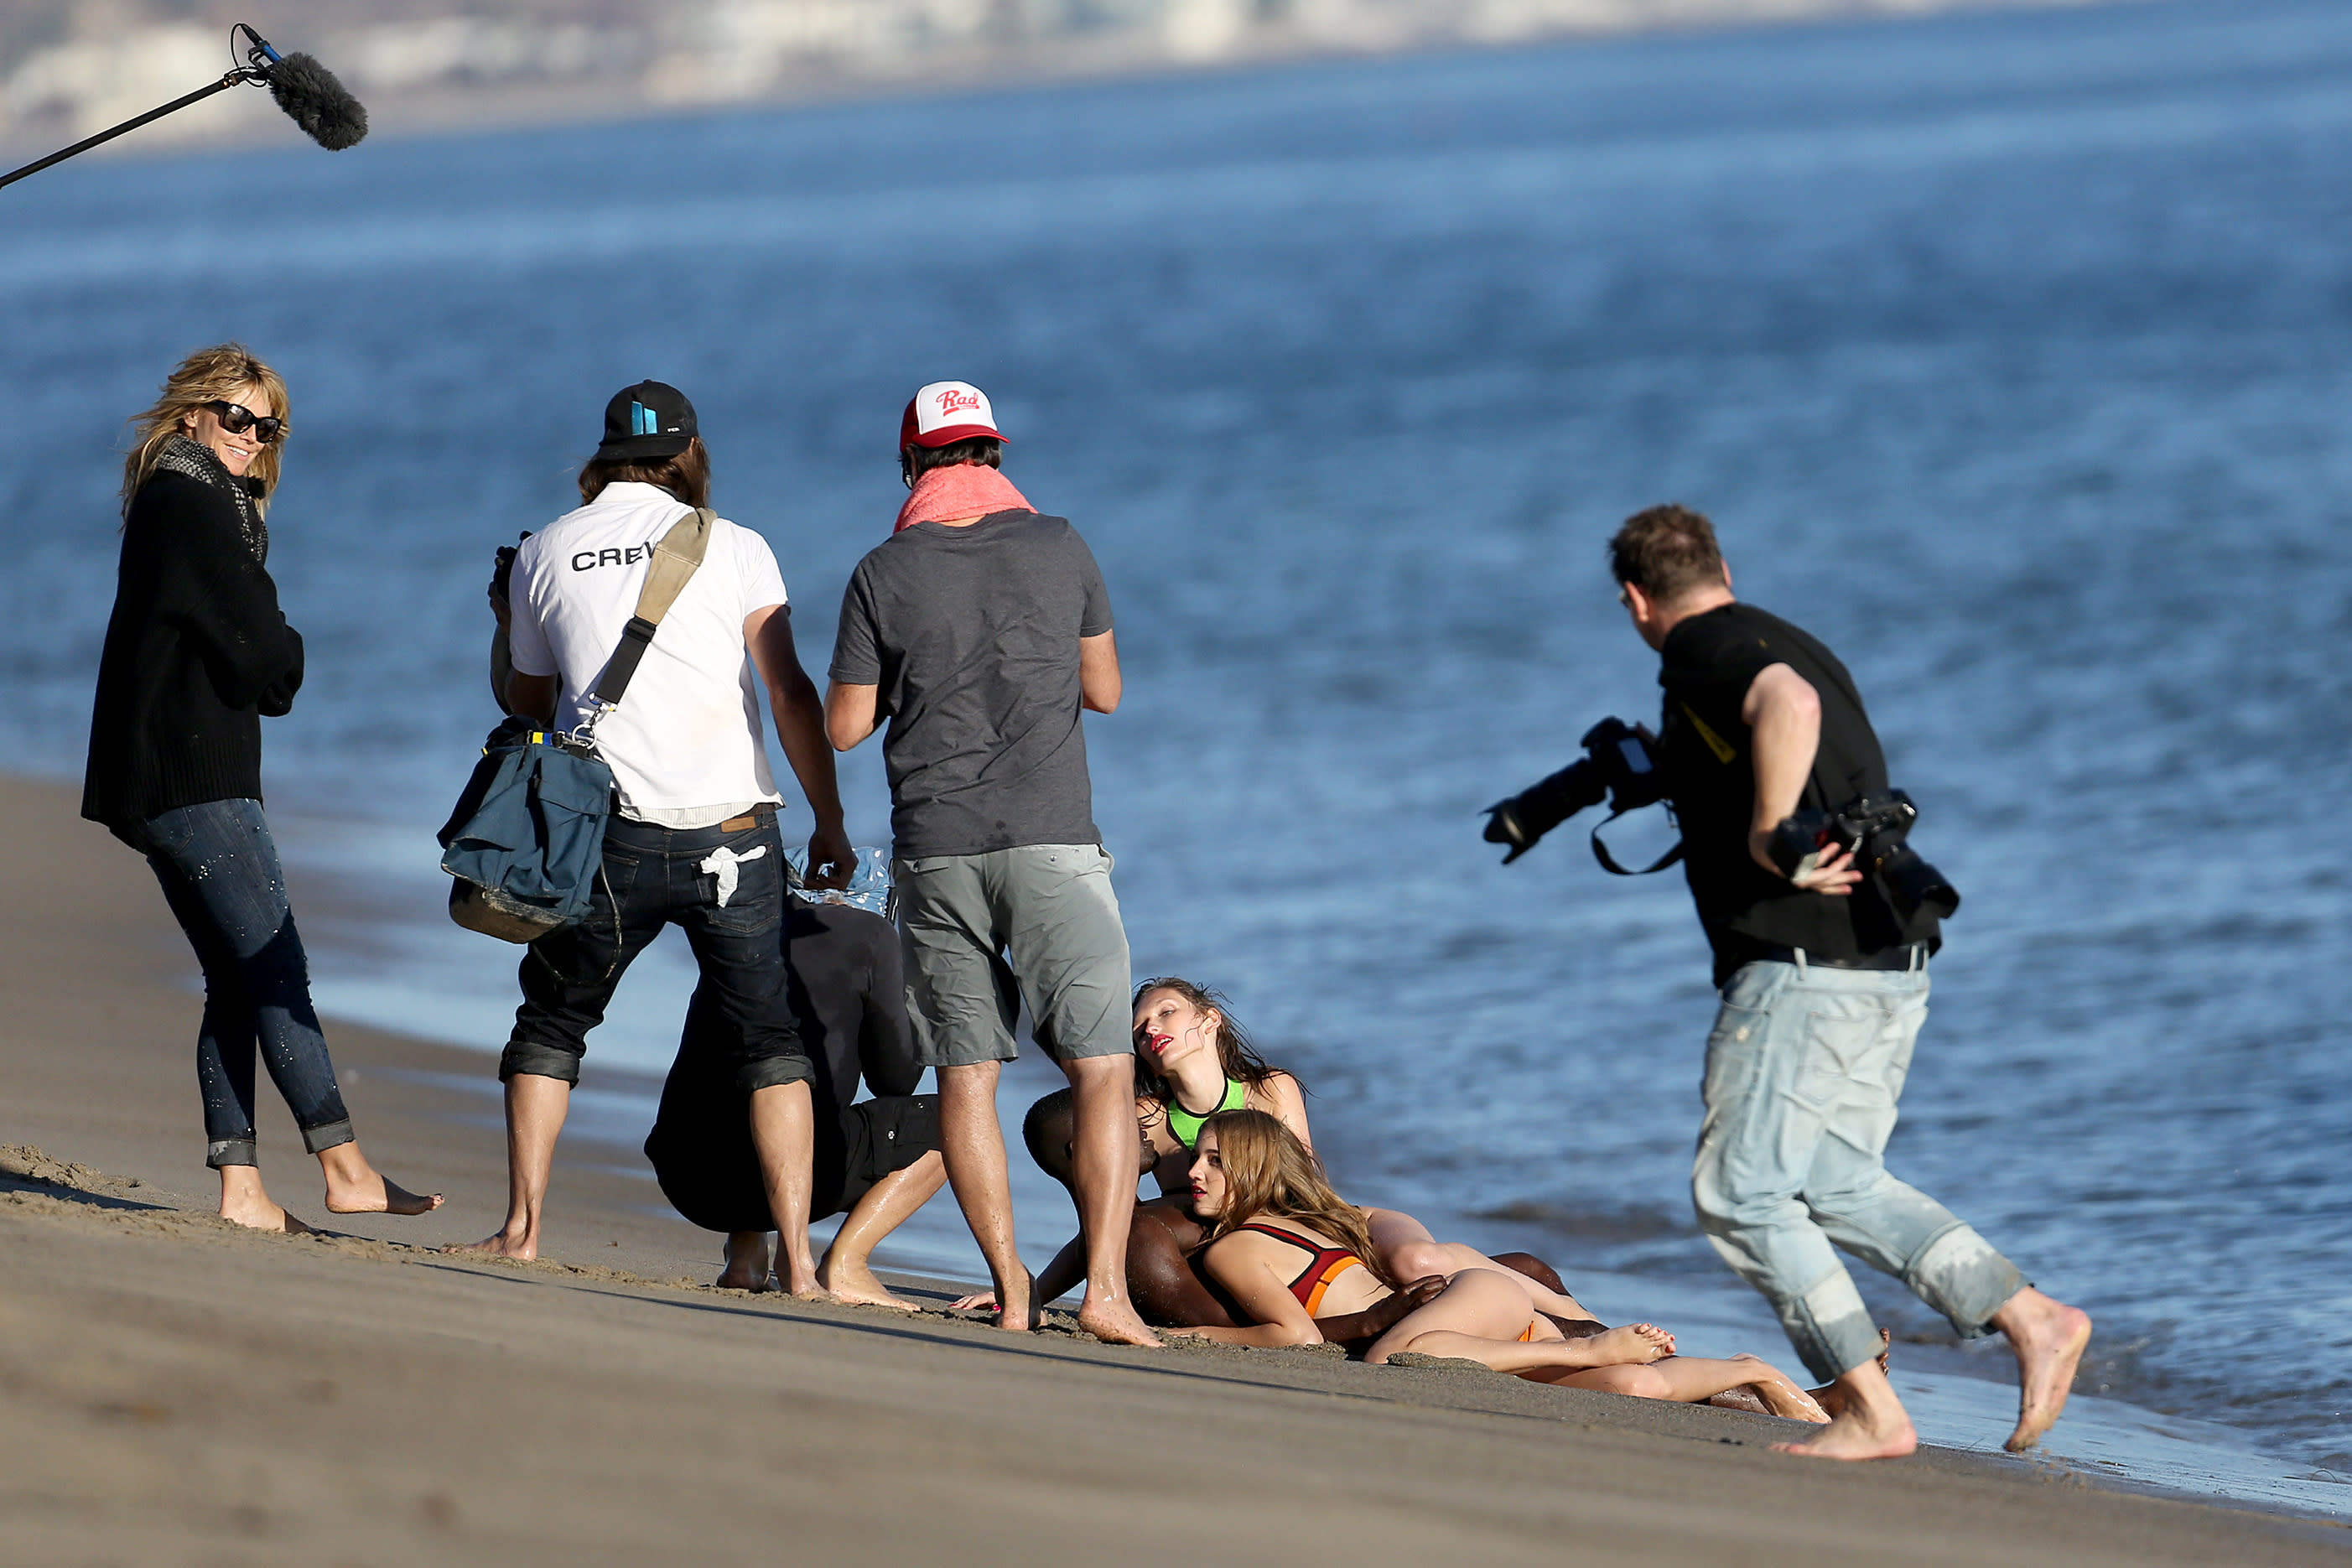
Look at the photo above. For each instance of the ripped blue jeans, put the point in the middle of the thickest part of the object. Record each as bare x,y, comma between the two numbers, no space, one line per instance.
1803,1070
219,870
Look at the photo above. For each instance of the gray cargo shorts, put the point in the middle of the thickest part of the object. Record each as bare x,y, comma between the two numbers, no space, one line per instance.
1038,924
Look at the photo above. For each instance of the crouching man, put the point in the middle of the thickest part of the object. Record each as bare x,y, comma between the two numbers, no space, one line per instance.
876,1160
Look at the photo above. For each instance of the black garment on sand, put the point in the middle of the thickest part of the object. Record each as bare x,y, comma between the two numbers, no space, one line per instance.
849,997
196,652
1708,662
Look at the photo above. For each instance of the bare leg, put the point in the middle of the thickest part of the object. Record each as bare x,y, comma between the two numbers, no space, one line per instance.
1104,1148
784,1130
1871,1423
1480,1316
536,1107
1694,1379
2049,1338
1409,1252
973,1144
845,1272
354,1187
243,1201
750,1261
1831,1397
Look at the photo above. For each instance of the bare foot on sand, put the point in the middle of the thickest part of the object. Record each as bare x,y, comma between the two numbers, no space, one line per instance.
1856,1436
377,1194
1782,1398
522,1248
856,1285
260,1214
2049,1338
1018,1311
750,1258
1116,1323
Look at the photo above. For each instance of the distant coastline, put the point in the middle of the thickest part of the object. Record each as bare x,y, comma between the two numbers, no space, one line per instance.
68,67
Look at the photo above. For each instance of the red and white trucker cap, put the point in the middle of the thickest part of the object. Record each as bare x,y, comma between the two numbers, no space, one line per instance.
945,412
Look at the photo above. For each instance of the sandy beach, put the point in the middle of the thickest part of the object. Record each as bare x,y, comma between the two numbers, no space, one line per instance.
179,1390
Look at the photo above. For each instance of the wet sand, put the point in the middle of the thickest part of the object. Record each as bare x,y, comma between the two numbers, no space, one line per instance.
176,1390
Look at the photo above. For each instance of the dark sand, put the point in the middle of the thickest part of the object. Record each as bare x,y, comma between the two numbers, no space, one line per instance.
176,1390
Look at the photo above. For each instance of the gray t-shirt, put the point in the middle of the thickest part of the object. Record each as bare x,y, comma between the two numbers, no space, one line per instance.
971,635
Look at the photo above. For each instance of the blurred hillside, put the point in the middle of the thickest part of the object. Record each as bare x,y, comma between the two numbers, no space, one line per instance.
72,66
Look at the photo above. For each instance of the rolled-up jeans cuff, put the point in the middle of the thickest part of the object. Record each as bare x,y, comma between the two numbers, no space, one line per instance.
1830,1326
523,1058
1961,1275
220,1152
770,1071
319,1139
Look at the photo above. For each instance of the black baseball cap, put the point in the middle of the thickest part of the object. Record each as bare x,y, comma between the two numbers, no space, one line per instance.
651,420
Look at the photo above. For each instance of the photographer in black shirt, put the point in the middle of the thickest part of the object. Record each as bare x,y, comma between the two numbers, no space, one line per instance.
1822,931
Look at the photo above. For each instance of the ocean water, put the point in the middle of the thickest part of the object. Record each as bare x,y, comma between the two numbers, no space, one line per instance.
2012,353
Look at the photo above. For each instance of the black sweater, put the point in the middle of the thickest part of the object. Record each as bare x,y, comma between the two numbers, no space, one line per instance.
196,652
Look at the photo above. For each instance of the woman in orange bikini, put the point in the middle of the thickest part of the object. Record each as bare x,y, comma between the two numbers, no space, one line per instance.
1288,1249
1193,1060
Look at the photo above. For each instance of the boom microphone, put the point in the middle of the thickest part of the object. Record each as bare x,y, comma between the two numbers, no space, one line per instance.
311,96
307,90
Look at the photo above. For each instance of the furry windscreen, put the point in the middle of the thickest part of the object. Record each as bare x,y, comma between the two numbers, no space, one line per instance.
309,92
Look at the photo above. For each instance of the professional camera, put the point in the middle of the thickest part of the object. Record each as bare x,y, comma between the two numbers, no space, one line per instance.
1619,765
502,570
1874,828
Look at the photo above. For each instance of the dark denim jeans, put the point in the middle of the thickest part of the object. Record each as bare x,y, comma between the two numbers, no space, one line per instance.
220,876
654,877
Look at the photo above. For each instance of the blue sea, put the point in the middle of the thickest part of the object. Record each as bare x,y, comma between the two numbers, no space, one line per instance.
2012,353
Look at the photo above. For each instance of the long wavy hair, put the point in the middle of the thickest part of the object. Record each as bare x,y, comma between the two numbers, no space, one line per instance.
1236,1053
216,374
1270,1174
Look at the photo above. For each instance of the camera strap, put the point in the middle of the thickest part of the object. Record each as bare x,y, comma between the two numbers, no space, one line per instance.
1608,862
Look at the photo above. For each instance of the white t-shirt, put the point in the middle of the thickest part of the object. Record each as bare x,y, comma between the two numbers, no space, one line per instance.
685,740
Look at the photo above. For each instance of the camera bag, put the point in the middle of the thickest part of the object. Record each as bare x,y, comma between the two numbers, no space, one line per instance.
526,842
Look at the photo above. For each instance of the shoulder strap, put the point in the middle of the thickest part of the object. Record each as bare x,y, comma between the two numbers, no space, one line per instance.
1299,1242
676,556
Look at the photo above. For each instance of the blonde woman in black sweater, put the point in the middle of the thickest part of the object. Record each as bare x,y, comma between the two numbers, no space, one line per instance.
196,653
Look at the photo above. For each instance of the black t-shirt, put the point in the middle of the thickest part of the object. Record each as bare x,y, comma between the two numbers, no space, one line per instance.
1708,662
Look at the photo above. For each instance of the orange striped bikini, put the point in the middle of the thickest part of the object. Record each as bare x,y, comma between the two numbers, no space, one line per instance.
1327,1264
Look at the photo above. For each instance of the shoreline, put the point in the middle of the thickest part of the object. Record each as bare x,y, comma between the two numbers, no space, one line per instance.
183,1382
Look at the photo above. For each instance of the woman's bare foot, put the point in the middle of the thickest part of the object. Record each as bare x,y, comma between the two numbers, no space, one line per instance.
522,1248
243,1201
261,1214
2049,1338
855,1283
1116,1323
1635,1344
1782,1398
375,1193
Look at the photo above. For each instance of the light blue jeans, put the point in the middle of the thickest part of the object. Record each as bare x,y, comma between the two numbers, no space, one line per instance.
1803,1071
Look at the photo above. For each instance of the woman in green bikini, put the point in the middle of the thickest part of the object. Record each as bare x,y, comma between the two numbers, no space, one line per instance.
1192,1062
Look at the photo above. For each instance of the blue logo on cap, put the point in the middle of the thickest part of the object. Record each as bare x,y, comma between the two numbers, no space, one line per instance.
642,421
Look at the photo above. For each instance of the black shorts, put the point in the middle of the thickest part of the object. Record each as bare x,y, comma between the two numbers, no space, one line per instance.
703,1158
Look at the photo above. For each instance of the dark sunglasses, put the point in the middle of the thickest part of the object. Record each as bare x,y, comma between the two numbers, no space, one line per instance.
237,419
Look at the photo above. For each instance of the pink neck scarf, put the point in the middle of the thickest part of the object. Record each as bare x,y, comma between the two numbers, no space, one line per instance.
965,489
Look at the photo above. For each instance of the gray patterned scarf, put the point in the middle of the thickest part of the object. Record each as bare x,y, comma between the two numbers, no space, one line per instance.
196,460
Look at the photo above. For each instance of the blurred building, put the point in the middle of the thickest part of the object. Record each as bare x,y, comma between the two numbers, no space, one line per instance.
70,66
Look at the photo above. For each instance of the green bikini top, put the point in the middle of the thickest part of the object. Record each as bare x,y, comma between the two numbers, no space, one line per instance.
1185,1127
